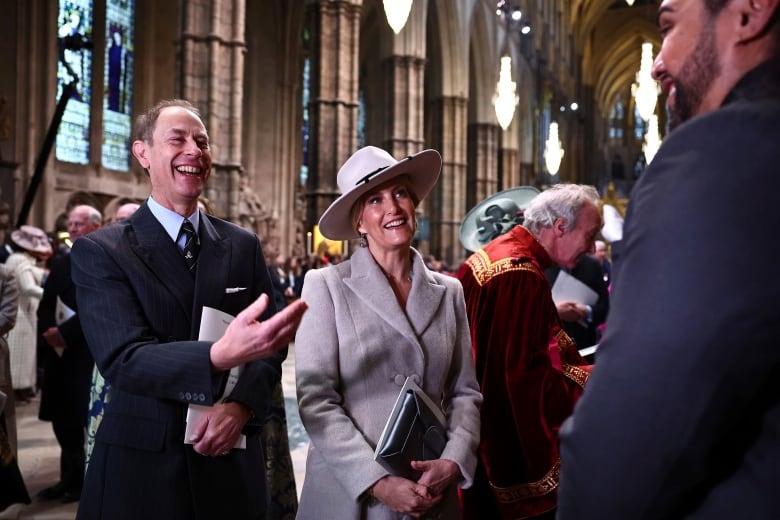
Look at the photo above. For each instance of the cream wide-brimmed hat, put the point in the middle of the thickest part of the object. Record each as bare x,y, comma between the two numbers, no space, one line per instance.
494,216
32,239
368,168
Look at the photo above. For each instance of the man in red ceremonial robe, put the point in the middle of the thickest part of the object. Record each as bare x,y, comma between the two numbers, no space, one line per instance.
529,371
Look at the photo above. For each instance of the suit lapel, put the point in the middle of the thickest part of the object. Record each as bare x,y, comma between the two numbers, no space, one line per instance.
425,298
147,238
369,284
212,270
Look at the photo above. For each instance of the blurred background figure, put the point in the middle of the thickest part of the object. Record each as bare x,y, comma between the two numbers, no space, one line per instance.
9,304
12,487
279,280
125,211
581,321
601,253
98,392
67,363
31,249
294,272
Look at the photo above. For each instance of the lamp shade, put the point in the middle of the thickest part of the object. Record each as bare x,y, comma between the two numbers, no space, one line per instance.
652,139
553,150
397,12
646,89
505,99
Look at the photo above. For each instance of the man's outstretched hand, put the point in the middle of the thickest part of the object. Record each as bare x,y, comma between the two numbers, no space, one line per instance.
247,339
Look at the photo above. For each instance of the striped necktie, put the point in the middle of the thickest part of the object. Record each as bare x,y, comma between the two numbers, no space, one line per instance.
191,245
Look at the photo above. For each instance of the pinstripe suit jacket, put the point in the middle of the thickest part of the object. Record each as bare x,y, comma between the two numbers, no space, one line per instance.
140,310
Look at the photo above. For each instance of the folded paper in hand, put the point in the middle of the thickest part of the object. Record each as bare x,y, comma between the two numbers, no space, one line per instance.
213,324
569,289
415,430
62,313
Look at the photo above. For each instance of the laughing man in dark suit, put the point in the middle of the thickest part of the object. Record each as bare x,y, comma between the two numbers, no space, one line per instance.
141,306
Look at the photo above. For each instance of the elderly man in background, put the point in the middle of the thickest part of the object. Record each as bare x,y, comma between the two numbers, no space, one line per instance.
529,371
98,391
124,211
67,363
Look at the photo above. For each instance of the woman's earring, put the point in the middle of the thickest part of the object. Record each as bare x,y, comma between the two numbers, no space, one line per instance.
363,240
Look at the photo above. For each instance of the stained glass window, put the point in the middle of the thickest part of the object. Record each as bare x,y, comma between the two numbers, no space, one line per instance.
74,66
616,117
361,120
305,126
640,126
118,84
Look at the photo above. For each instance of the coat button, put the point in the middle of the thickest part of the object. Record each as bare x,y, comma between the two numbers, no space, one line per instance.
201,397
181,395
416,379
188,396
399,380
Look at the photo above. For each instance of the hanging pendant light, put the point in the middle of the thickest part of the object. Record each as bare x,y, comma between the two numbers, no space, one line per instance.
630,2
397,12
553,150
646,89
505,99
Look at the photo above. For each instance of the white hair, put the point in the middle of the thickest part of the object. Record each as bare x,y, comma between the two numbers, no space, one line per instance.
94,216
561,201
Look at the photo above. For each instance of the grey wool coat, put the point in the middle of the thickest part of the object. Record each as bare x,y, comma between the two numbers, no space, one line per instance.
353,351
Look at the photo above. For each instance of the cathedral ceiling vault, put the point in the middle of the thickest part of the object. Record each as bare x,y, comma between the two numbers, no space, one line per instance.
609,33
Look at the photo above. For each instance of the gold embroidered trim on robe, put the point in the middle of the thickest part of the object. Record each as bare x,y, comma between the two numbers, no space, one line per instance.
566,346
484,269
547,484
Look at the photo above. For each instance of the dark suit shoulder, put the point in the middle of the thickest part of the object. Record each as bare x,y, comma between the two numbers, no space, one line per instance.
61,261
225,228
108,234
587,267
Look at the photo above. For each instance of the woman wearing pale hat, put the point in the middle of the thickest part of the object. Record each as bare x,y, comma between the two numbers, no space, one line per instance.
374,321
31,246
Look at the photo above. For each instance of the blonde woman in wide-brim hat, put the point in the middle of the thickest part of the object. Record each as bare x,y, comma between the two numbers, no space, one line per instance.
31,246
374,321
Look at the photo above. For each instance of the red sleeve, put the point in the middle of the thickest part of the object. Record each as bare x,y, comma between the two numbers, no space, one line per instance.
529,387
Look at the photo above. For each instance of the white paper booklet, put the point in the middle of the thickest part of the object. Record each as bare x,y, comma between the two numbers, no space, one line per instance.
62,313
213,324
568,289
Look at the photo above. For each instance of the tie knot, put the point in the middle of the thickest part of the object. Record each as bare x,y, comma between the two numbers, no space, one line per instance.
186,227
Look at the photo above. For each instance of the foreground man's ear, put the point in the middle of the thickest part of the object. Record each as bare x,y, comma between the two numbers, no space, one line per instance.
755,18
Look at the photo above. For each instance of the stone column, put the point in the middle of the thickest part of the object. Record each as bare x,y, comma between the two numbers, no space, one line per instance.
509,169
405,76
335,31
527,176
213,48
483,167
448,202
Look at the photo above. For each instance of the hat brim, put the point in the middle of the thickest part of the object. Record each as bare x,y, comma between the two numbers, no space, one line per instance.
468,233
19,238
422,170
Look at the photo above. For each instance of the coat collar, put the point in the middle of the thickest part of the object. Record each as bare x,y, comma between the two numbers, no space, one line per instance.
369,284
